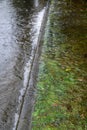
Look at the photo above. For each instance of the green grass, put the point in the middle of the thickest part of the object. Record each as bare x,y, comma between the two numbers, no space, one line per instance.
61,90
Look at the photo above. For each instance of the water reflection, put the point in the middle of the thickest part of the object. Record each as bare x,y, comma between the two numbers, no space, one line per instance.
7,46
29,17
18,18
25,11
36,3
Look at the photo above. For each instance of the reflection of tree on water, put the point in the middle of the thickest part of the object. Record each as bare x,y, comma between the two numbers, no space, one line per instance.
39,2
25,10
26,16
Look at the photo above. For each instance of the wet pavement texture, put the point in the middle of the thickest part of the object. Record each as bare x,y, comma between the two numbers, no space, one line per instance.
19,28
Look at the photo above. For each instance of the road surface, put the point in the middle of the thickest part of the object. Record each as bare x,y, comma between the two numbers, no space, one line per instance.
20,27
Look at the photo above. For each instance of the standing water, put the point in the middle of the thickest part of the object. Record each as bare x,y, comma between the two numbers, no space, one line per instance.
19,31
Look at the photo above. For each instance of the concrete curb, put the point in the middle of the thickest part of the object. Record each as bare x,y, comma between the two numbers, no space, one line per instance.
28,101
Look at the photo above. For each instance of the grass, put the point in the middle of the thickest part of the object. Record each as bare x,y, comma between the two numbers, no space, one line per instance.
61,102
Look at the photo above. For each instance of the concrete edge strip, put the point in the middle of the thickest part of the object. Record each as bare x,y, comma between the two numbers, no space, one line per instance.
24,119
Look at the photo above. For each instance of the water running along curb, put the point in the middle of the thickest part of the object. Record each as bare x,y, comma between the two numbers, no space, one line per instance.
25,108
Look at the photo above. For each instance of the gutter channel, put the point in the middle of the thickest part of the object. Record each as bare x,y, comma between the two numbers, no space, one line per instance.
23,117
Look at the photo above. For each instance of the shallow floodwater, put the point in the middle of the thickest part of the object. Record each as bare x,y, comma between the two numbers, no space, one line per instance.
19,29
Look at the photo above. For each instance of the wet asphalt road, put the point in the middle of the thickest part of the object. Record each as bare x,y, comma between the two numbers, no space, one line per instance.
17,34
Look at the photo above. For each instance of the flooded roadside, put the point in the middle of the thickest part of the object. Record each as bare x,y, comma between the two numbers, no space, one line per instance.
19,31
61,94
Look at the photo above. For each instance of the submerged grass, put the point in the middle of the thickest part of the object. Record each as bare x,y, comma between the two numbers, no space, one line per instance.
62,87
